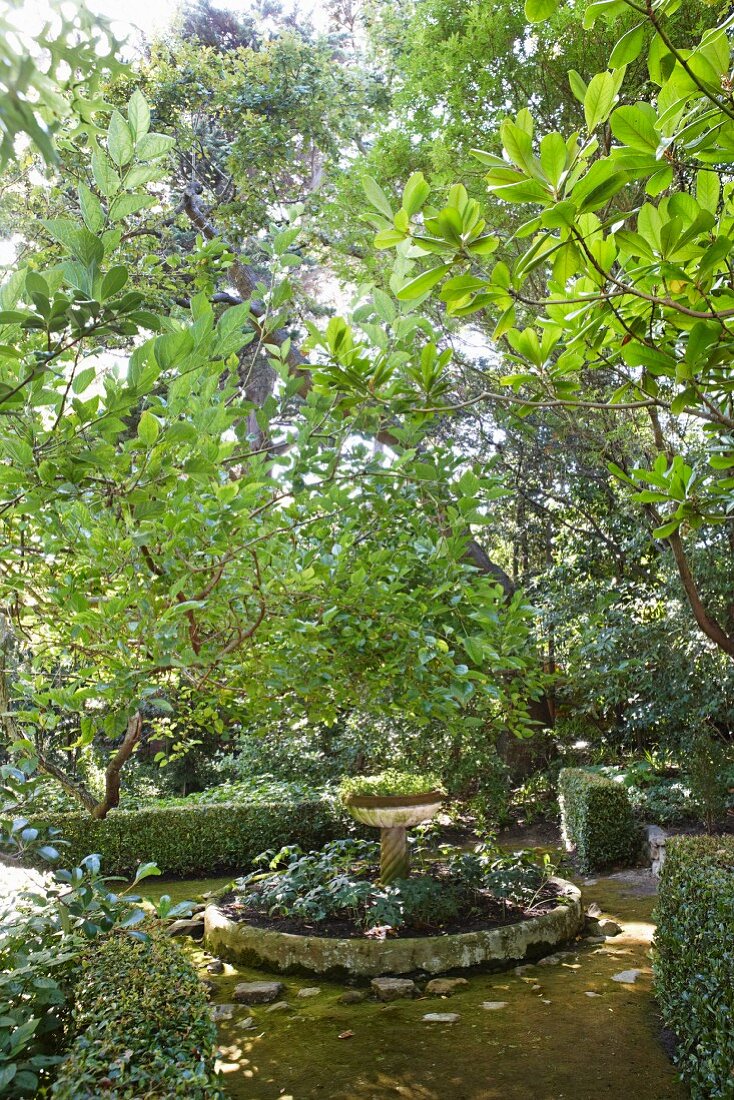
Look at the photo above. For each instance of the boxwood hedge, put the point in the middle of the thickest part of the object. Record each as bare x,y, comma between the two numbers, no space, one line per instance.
694,960
596,817
142,1026
194,840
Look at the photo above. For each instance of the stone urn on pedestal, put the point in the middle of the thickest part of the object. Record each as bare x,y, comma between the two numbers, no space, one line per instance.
393,814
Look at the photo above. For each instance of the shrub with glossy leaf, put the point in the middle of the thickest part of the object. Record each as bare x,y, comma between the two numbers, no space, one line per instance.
143,1026
596,817
196,839
694,960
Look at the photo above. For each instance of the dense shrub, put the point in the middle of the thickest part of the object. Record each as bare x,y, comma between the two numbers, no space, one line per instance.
694,960
143,1026
339,882
196,839
596,816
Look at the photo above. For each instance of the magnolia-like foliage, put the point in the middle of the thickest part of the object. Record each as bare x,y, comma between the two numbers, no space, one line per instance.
147,544
629,233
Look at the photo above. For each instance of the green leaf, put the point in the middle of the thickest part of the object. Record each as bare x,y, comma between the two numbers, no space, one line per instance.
388,238
83,379
708,189
148,428
138,116
628,48
124,205
536,11
113,281
635,126
666,529
119,141
76,239
105,176
553,157
153,146
577,84
145,870
599,99
415,193
376,196
140,174
91,208
419,286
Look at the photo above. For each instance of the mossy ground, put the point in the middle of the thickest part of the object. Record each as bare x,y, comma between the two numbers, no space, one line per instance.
546,1044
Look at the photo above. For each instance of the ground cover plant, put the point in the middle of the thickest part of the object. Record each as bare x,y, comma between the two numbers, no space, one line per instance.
335,892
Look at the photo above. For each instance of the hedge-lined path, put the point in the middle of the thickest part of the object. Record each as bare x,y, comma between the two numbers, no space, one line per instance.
551,1040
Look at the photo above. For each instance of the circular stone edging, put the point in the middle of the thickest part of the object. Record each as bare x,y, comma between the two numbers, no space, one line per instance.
505,946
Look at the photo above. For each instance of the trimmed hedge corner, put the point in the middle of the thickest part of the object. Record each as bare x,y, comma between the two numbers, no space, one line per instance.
694,960
143,1026
194,840
596,817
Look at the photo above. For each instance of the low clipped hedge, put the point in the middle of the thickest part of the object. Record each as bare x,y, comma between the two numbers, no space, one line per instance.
142,1023
194,840
694,960
597,818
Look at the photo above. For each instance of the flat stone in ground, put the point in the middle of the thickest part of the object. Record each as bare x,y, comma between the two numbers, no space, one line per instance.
444,987
247,1023
609,928
352,997
550,960
309,991
257,993
222,1012
216,966
628,977
441,1017
193,928
391,989
279,1006
492,1006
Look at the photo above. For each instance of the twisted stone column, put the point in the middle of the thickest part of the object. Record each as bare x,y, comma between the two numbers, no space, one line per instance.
394,861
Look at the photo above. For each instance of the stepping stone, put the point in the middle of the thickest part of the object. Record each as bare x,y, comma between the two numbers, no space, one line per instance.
247,1023
610,928
629,977
193,928
279,1006
222,1012
442,1017
591,993
257,993
352,997
444,987
391,989
550,960
309,991
492,1006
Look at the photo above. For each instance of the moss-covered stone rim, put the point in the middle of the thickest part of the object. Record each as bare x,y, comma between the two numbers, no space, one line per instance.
500,947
